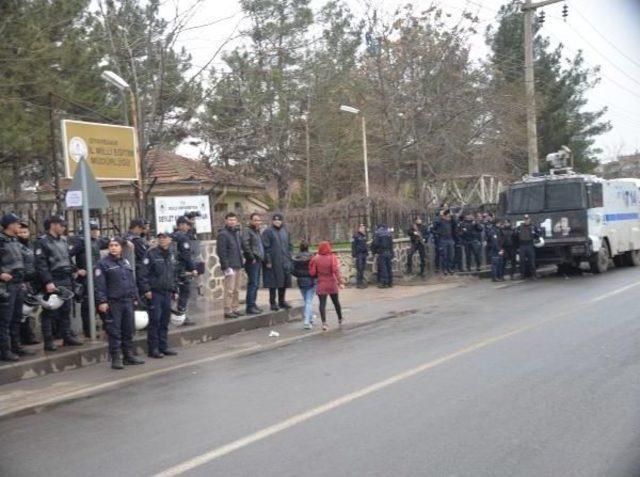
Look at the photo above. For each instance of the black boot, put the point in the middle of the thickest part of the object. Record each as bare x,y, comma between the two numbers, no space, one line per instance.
284,305
49,345
131,359
7,355
72,341
274,307
17,348
116,361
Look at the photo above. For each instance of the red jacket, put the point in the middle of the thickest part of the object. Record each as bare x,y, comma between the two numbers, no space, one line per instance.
326,268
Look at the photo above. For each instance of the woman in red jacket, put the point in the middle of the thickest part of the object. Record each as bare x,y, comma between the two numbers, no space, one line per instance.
326,268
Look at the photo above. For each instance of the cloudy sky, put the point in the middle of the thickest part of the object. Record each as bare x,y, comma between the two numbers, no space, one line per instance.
607,31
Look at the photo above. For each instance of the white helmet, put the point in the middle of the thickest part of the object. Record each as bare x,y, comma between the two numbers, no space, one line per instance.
141,319
55,300
177,319
539,243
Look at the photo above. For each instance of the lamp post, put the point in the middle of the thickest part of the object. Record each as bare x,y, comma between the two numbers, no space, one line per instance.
352,110
115,80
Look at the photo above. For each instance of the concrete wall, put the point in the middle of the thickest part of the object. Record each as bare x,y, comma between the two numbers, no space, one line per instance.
212,281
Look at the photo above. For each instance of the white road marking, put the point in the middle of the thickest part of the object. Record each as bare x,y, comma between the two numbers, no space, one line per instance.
292,421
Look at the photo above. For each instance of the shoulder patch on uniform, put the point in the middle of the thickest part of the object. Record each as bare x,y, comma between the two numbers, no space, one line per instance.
98,272
70,247
38,251
146,261
186,245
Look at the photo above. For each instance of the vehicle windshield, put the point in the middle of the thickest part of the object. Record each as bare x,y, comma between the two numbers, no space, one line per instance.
533,198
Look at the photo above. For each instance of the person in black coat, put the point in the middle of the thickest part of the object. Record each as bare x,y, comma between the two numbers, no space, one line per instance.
253,250
306,282
526,234
382,246
229,251
277,262
417,234
359,252
509,247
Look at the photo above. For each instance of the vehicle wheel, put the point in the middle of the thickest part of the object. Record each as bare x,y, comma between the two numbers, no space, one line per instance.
600,263
632,258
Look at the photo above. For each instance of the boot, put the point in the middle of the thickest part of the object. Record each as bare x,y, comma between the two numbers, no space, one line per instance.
49,345
131,359
17,348
284,305
9,356
72,341
116,362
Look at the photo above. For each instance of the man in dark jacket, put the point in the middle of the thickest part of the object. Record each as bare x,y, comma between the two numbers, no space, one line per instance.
509,247
417,234
382,246
471,239
27,333
77,251
54,268
445,231
526,234
229,251
116,293
277,262
158,284
253,250
137,237
495,241
186,269
359,252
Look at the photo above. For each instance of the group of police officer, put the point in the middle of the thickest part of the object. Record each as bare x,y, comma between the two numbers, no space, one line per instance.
132,275
453,236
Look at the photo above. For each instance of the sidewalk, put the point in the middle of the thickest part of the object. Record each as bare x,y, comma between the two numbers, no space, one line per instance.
361,307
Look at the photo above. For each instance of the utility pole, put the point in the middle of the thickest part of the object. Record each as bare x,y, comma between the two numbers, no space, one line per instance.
54,159
528,8
308,177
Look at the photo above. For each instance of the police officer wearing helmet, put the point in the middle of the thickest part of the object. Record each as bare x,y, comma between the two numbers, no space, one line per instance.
12,277
526,234
77,251
54,269
116,293
185,267
158,284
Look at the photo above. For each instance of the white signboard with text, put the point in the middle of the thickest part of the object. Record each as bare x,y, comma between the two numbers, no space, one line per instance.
169,208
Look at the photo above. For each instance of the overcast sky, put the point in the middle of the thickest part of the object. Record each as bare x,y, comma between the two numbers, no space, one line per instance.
608,32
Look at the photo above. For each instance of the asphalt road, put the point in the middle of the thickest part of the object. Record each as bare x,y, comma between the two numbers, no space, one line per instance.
532,379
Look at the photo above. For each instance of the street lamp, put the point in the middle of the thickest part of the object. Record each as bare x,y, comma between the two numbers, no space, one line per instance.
115,80
352,110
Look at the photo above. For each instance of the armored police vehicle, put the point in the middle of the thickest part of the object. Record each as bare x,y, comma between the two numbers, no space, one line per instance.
582,218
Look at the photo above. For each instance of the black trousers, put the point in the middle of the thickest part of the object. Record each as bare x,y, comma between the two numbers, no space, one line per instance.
184,292
385,271
473,249
61,316
323,306
510,257
272,295
10,317
527,254
361,264
119,324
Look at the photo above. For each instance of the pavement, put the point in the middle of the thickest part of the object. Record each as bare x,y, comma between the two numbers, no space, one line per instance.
463,378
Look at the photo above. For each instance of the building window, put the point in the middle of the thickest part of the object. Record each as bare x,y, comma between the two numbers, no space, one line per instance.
222,207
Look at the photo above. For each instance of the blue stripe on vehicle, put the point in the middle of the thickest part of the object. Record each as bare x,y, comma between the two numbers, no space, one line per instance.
614,217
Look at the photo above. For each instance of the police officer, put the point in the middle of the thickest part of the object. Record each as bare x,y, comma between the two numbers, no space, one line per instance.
471,239
495,241
116,293
54,268
382,246
509,249
444,230
12,276
27,334
526,234
417,234
77,251
138,238
359,252
159,286
186,268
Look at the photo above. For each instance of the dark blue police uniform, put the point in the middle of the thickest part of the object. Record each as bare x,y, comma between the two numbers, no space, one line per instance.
359,251
382,245
11,262
184,264
158,276
115,285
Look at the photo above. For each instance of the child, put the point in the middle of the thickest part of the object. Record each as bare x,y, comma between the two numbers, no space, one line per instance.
306,283
326,268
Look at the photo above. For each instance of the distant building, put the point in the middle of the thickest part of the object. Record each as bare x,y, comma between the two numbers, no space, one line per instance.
624,166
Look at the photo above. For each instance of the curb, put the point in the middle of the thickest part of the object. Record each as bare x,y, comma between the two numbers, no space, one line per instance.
98,353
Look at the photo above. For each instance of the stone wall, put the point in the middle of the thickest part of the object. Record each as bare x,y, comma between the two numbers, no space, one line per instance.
212,287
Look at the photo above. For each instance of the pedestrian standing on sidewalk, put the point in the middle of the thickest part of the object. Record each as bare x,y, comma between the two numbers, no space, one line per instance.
359,252
27,327
116,294
277,262
326,268
445,231
526,234
509,249
417,234
495,239
382,246
229,251
253,250
306,283
158,284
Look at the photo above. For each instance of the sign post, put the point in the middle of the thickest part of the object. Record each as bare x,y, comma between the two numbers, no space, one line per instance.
87,247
